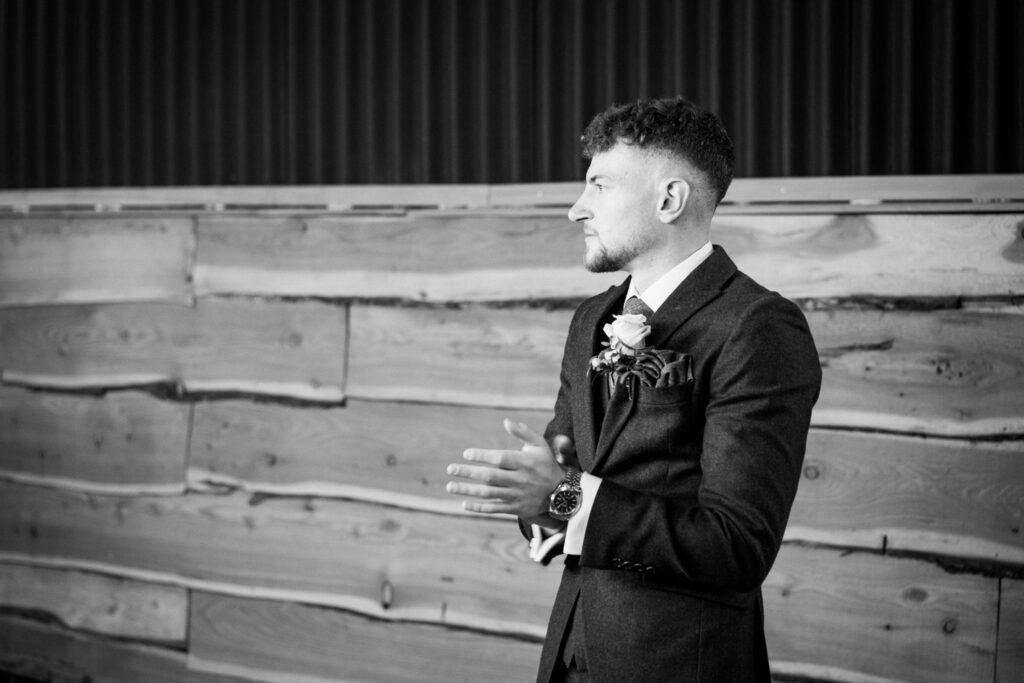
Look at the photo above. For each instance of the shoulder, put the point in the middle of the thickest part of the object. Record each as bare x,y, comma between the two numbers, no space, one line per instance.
744,297
747,314
762,323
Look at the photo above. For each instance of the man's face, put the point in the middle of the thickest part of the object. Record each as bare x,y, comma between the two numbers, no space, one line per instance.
618,209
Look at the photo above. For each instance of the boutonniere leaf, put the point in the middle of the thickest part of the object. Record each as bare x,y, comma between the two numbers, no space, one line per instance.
628,360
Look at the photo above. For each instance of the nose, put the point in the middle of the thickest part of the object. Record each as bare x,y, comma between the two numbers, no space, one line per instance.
578,213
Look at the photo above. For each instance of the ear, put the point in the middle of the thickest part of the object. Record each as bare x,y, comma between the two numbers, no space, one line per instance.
673,195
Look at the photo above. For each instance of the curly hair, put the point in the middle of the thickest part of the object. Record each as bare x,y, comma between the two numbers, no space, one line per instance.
675,126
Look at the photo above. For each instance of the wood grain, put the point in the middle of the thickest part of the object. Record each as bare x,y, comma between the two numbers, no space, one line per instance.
247,198
824,606
471,356
433,256
1010,661
123,441
793,193
878,255
275,641
421,256
437,569
97,603
447,569
391,453
264,347
947,372
85,259
46,653
868,614
935,496
314,539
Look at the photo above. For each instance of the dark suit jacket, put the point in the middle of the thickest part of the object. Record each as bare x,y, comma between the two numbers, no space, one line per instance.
698,481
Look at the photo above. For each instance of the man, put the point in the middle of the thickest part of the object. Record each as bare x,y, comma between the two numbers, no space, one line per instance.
688,419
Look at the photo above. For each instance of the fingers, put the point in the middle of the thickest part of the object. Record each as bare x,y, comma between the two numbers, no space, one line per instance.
482,491
524,433
507,460
486,499
517,482
487,475
488,507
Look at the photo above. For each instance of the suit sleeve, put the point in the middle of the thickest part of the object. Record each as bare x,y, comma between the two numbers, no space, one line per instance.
761,389
561,423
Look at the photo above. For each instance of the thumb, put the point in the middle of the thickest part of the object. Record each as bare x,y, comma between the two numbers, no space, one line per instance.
565,451
524,433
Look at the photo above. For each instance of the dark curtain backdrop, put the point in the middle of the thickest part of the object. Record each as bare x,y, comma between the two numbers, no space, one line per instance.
221,92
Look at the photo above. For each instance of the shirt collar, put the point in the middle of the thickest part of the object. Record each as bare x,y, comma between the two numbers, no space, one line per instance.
655,295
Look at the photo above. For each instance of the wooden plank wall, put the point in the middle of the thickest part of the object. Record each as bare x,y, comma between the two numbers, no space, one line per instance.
225,418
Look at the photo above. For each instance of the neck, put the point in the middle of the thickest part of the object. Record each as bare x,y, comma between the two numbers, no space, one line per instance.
647,268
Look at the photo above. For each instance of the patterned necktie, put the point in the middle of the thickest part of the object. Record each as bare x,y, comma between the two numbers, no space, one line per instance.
636,306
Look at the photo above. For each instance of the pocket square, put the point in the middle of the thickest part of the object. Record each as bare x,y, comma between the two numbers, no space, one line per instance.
662,368
677,369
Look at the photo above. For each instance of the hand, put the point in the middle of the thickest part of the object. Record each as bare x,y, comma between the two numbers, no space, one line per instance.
514,482
565,452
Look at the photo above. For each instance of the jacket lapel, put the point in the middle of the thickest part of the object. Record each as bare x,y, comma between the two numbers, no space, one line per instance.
595,394
620,407
703,285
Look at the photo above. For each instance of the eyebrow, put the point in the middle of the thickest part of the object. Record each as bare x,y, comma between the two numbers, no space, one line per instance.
598,176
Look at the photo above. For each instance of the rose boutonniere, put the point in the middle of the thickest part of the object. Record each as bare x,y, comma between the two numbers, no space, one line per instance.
627,333
627,359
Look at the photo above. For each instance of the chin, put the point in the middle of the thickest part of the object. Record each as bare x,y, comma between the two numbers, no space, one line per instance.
600,263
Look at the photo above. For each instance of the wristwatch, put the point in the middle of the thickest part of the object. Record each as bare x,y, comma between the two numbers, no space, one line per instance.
567,496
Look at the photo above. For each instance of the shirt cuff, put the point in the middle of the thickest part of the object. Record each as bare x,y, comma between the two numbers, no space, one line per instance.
577,527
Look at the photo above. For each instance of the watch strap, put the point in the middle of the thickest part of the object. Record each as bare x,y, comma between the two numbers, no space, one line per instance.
572,478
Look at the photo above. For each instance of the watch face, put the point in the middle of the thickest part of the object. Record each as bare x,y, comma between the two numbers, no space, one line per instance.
564,502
